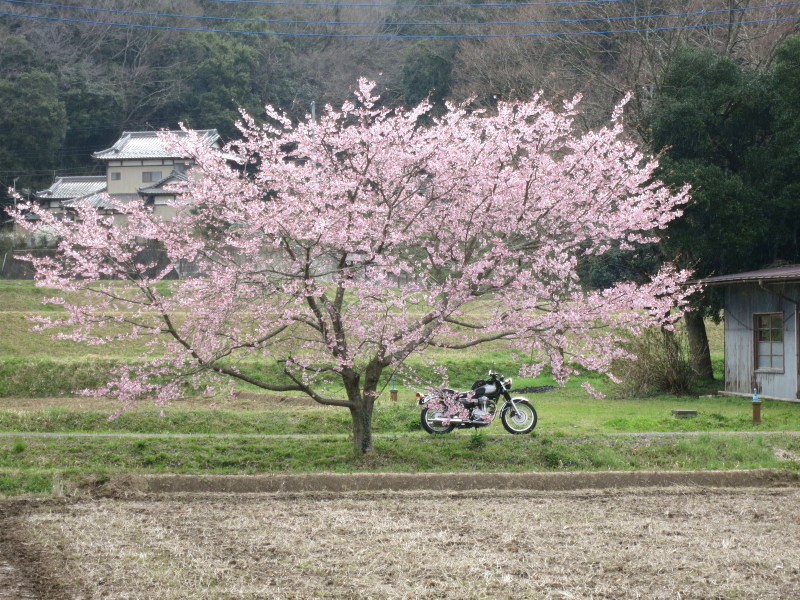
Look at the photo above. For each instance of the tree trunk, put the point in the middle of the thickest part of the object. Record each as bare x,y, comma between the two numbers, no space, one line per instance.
362,402
362,425
700,353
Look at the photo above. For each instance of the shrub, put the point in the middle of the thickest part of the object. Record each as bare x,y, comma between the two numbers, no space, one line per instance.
36,378
662,364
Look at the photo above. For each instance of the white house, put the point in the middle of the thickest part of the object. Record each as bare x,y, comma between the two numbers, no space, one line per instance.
140,164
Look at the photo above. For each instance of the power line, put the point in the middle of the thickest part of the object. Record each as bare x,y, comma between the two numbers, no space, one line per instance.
392,35
441,5
397,24
79,170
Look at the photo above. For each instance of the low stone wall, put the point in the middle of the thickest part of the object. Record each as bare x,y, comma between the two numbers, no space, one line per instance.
13,266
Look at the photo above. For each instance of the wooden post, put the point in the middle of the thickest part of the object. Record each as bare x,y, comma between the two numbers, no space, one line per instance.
393,391
756,407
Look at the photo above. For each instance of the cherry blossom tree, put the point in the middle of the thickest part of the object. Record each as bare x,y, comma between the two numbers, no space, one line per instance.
341,246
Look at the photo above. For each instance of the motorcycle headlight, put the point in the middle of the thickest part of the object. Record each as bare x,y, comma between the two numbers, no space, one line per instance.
507,383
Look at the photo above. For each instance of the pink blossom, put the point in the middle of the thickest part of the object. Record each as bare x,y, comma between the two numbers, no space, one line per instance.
340,247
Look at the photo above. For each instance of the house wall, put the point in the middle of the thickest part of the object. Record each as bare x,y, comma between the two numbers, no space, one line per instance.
742,303
120,219
163,211
130,174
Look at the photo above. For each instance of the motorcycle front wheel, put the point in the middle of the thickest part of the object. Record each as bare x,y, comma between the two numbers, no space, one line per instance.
427,419
523,420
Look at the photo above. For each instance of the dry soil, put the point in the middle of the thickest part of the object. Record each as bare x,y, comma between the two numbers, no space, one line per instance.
685,542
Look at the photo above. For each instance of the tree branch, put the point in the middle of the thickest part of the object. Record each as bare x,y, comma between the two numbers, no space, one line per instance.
492,338
314,396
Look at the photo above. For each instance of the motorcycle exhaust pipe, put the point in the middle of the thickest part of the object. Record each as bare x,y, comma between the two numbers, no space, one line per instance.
441,422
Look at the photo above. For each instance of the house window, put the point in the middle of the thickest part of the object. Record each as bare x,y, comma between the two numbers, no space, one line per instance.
769,342
151,176
116,176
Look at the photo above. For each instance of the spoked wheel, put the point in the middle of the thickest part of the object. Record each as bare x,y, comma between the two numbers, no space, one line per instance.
523,420
427,419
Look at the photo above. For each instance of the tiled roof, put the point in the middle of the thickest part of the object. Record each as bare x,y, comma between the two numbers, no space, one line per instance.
65,188
149,144
100,201
772,274
161,188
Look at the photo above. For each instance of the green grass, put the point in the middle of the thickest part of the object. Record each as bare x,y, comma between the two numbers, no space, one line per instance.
43,377
575,431
393,454
34,364
45,463
276,421
25,296
572,414
14,482
36,465
567,412
18,341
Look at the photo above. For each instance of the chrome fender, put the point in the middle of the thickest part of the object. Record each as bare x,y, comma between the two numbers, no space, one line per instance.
515,399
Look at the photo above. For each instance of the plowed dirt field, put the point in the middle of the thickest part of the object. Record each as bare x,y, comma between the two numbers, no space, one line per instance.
654,543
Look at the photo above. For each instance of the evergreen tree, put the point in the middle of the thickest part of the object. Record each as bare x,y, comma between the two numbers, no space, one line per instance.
727,131
33,121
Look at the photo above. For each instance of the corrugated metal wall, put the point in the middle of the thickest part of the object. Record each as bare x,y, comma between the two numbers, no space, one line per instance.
742,303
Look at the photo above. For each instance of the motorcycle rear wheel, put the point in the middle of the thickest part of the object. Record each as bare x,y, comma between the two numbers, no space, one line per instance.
521,421
427,419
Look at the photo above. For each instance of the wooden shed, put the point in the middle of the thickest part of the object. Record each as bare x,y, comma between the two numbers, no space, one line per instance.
761,332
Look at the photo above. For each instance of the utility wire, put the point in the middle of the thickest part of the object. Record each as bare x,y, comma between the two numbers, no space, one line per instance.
397,24
442,5
392,35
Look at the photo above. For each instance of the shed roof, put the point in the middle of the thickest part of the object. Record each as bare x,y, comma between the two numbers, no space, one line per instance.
150,144
773,274
66,188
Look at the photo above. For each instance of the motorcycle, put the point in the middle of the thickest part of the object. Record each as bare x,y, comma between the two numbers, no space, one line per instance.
446,409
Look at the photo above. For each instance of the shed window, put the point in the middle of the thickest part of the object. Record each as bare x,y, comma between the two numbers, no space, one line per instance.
116,176
769,342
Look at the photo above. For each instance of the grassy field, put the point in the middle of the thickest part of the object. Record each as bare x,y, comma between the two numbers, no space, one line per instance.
598,437
566,412
665,543
575,431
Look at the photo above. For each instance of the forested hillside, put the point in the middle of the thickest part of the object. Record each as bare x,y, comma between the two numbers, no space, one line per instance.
73,76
